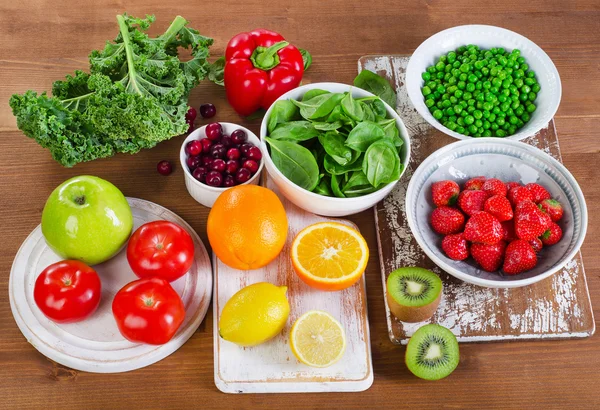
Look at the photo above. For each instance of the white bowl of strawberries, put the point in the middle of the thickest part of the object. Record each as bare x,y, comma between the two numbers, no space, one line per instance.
496,212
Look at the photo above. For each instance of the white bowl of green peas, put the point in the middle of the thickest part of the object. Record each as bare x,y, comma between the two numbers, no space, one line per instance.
483,81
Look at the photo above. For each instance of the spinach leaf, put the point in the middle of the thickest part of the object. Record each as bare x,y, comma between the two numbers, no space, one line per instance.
381,162
306,58
324,187
335,186
313,93
334,146
352,108
216,71
318,106
333,168
294,131
358,185
369,114
379,108
295,162
391,131
368,80
363,135
283,111
327,126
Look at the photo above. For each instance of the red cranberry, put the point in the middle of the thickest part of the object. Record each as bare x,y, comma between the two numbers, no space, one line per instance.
206,144
239,136
229,181
190,115
207,110
218,151
245,147
207,160
193,147
226,141
214,178
200,174
190,128
233,153
232,166
254,153
193,162
218,165
243,175
214,131
164,168
251,165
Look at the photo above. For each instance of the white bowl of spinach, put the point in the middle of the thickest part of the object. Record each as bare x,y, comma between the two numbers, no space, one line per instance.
335,149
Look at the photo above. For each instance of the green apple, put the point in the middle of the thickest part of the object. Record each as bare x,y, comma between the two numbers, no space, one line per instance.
86,218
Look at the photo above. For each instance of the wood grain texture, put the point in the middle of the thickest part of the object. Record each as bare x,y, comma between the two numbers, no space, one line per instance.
42,40
271,367
558,307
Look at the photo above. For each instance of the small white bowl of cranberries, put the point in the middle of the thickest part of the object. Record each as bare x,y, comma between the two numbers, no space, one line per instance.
218,156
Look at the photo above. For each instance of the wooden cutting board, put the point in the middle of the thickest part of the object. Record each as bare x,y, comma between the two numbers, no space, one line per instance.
555,308
271,367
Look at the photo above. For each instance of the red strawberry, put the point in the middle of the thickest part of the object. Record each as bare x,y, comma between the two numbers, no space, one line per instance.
519,194
444,192
508,231
483,228
456,247
489,257
474,183
494,186
446,220
499,206
553,208
552,235
519,257
530,221
536,244
472,201
511,185
538,192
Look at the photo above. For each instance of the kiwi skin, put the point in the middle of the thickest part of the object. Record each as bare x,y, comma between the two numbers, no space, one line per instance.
412,314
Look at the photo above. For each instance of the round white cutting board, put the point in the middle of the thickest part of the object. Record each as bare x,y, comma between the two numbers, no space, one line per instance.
95,344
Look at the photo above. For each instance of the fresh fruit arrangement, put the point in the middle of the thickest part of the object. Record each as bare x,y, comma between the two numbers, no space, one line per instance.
335,145
481,93
221,160
500,225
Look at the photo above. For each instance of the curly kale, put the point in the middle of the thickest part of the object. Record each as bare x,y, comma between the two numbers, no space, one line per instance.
134,97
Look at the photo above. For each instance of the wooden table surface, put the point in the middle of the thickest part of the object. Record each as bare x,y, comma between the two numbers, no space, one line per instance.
41,41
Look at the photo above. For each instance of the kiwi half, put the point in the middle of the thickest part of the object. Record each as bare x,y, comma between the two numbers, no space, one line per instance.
432,352
413,294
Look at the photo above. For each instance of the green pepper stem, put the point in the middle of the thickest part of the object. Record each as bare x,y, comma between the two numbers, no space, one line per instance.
267,58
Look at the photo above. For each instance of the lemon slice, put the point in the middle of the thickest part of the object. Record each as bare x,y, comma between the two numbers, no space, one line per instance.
329,255
317,339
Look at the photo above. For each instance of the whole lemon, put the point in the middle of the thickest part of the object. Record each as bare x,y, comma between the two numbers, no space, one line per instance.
247,227
254,314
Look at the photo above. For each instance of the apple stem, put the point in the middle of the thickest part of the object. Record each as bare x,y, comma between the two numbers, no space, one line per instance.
80,200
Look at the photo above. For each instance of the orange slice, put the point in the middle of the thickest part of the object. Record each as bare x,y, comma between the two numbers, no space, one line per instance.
329,255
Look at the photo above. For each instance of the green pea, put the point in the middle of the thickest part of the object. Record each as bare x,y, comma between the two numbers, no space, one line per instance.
460,121
441,89
532,96
501,114
519,82
432,85
452,89
501,50
486,114
469,119
487,133
500,133
426,90
492,117
487,85
535,88
452,80
458,93
440,66
470,87
523,97
494,126
450,112
465,67
446,103
515,97
478,123
453,99
460,130
494,90
478,85
487,125
472,129
426,76
512,129
440,75
505,106
502,98
451,125
451,56
519,111
515,105
463,77
477,114
478,74
506,126
429,102
501,60
463,103
467,95
472,78
502,75
437,114
485,71
509,112
480,97
470,109
513,89
478,65
453,118
529,81
524,67
506,92
525,117
513,119
431,69
506,83
530,74
479,105
499,121
458,109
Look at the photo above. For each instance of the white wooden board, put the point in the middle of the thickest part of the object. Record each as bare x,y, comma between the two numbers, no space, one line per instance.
272,367
95,344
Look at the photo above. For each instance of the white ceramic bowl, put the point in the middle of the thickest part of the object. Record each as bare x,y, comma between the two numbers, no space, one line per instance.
509,161
207,195
324,205
547,101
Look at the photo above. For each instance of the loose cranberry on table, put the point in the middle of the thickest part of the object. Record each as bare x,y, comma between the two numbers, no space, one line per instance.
207,110
164,168
213,131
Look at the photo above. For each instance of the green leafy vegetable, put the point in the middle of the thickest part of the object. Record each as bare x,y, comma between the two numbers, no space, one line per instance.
333,143
216,71
352,108
295,131
363,135
334,168
295,162
327,126
358,185
335,186
313,93
283,111
369,81
306,58
324,187
318,106
380,162
134,97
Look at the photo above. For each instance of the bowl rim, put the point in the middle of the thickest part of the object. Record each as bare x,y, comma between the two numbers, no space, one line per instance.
200,131
410,193
425,113
324,85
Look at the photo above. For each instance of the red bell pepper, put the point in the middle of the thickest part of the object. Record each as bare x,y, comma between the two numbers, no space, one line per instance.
259,67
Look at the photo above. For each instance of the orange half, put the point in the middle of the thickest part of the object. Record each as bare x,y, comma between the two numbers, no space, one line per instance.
329,255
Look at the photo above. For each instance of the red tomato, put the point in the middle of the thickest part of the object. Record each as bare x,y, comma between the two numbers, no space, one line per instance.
67,291
160,249
148,310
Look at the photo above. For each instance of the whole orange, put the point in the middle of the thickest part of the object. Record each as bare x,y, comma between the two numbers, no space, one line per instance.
247,227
